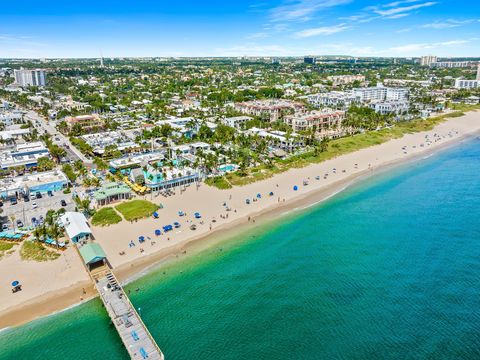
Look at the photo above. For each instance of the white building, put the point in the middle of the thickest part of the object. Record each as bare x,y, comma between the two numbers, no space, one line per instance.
30,77
76,226
277,139
381,93
428,60
466,84
334,99
26,155
390,107
452,64
237,122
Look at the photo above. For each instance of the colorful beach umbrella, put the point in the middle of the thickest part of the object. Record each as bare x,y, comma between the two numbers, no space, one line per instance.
15,283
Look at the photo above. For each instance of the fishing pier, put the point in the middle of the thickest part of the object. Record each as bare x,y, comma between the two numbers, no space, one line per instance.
134,334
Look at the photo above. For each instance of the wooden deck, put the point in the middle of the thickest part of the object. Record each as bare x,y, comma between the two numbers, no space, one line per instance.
133,332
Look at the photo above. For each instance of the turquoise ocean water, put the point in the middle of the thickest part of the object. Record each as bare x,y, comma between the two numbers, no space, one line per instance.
388,269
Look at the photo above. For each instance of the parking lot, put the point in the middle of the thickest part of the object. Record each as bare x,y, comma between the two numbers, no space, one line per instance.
25,211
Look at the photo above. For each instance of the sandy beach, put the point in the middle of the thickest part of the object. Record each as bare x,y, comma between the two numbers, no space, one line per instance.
55,285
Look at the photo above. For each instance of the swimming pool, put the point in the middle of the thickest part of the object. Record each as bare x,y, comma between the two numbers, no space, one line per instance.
227,168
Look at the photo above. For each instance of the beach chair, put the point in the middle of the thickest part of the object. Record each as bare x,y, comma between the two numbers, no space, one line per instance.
143,353
134,335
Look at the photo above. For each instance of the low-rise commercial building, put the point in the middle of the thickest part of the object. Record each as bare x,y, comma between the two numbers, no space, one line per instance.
86,122
25,155
31,183
111,192
76,226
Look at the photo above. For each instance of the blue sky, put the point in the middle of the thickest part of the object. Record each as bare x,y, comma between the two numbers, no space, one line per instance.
236,28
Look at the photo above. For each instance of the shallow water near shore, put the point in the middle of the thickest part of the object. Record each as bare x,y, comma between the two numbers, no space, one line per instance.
387,269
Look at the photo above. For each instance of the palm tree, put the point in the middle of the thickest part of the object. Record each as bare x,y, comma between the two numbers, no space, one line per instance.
12,219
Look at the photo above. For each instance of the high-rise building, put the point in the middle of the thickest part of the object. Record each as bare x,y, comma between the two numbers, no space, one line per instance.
428,60
309,60
30,77
478,71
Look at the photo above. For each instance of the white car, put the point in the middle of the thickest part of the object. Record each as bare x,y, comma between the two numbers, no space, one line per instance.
34,205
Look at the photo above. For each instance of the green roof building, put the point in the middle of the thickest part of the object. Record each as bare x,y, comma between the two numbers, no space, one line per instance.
112,192
93,255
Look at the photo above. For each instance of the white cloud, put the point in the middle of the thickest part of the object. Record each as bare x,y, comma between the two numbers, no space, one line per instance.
449,23
258,35
412,48
301,10
403,9
324,30
397,16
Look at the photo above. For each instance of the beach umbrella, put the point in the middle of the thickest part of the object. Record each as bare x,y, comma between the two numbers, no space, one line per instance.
141,238
157,232
15,283
259,195
271,193
295,188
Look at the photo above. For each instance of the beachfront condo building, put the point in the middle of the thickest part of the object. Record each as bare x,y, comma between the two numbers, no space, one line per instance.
380,93
390,107
332,99
324,122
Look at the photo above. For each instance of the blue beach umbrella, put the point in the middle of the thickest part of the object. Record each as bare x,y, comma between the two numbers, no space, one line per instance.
141,238
157,232
295,188
15,283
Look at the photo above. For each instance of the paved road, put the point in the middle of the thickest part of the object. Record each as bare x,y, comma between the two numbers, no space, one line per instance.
43,125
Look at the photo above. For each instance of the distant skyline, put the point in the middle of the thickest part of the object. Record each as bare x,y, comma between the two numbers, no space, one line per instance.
403,28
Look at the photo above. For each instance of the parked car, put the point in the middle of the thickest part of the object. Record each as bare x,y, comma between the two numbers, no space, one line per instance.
32,196
19,223
50,193
34,205
26,198
34,221
38,194
5,227
13,201
63,203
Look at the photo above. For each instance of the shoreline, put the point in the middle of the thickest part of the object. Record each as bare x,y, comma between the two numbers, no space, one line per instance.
58,300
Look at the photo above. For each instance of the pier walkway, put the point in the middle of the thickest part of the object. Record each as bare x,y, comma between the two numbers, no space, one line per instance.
133,332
